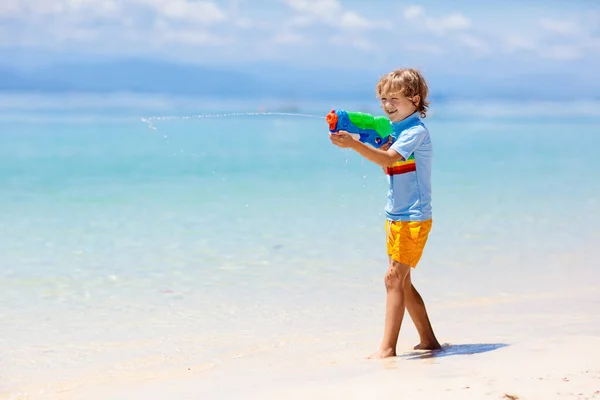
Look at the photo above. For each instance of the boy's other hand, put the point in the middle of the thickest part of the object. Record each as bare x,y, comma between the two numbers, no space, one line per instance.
342,139
387,144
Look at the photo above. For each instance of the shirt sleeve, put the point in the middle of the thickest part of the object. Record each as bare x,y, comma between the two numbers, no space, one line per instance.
409,141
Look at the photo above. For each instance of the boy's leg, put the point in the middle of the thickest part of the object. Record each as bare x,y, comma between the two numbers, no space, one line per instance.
405,242
395,282
414,302
418,314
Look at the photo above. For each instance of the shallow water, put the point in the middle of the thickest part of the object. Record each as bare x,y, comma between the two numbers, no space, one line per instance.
206,239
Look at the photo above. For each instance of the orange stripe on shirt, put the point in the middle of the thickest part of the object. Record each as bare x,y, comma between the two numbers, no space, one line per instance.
402,166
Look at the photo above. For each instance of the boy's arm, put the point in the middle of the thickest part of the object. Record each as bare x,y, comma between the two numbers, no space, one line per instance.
380,157
385,147
383,158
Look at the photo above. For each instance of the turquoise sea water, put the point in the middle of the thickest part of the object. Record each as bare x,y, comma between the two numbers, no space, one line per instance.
245,229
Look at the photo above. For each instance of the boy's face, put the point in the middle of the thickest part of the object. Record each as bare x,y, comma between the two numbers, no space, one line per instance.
397,106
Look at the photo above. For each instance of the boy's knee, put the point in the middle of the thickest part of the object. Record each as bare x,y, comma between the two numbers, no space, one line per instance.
396,275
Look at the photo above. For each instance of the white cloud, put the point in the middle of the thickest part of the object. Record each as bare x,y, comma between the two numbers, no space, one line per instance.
413,12
351,20
349,26
560,52
332,13
318,7
441,25
300,21
546,38
424,48
190,37
514,43
244,23
359,43
27,9
554,39
561,27
166,33
196,11
253,29
287,38
113,25
476,44
237,16
12,8
451,22
9,8
99,5
455,26
543,47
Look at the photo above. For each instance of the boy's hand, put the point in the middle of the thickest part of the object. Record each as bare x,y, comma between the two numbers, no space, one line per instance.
387,144
342,139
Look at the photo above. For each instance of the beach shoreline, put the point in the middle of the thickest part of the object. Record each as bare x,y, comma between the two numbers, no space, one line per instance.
534,354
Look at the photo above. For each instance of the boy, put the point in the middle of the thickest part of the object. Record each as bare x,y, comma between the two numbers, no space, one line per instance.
406,159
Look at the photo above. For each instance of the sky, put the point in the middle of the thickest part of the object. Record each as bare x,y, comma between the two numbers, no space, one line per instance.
467,37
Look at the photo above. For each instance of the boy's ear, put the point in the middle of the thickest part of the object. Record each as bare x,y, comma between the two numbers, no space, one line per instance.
416,99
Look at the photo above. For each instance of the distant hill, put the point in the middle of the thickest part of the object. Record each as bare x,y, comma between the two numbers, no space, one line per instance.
269,80
149,76
13,80
132,76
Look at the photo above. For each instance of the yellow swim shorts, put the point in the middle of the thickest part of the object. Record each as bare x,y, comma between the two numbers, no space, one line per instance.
406,240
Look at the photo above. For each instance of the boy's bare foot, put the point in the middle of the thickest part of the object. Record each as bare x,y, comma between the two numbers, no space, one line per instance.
383,354
428,346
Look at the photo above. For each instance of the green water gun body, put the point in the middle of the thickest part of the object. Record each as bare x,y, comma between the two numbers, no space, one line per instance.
372,130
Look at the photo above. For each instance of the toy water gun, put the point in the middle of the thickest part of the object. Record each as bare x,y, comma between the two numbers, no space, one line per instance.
372,130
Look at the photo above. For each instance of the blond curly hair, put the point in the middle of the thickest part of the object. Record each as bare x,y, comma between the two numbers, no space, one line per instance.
408,82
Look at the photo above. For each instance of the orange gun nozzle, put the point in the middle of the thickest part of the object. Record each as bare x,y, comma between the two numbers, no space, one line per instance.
332,119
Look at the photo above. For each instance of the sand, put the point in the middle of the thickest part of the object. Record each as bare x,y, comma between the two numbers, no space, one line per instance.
543,346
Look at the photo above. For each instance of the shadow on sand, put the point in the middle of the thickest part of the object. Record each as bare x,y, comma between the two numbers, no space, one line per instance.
453,350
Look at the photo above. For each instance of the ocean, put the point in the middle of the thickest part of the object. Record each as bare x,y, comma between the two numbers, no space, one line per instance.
219,242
